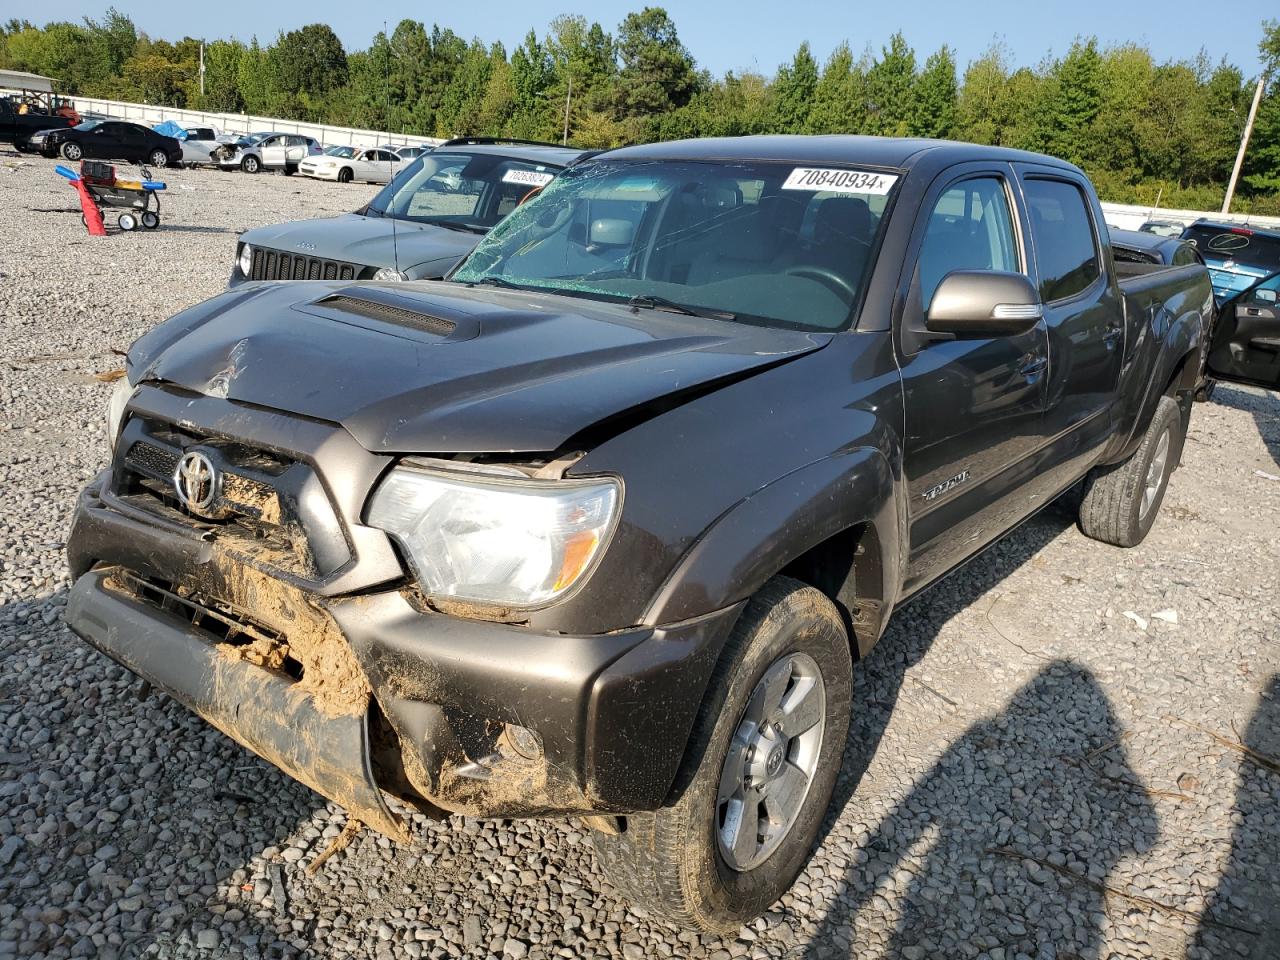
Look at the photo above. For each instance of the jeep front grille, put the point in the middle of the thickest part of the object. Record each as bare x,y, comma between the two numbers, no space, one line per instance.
275,265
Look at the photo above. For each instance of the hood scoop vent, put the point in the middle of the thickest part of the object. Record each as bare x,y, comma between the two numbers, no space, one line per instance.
388,313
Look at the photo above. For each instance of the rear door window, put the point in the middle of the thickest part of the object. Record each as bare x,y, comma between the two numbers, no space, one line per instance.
1066,249
970,228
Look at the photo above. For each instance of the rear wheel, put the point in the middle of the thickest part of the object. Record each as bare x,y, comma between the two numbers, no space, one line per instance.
762,764
72,151
158,158
1121,501
150,219
250,164
345,175
127,221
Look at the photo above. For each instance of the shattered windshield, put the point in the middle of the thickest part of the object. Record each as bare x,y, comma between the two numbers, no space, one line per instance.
464,190
780,244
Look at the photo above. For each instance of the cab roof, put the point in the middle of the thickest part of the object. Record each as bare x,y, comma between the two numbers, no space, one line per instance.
532,153
899,152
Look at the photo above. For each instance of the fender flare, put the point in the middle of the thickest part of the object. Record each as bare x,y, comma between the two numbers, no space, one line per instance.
1184,336
779,523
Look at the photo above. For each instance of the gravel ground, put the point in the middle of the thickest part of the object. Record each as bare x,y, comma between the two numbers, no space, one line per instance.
1044,762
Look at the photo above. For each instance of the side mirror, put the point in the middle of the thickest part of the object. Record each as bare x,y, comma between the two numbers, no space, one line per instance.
984,303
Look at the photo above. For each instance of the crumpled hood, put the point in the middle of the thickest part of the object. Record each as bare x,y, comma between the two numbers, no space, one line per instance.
353,238
441,368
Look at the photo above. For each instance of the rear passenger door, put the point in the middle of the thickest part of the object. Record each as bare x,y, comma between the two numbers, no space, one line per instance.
1083,315
974,405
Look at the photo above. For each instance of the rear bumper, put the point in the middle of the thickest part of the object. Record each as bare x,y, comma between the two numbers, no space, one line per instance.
466,716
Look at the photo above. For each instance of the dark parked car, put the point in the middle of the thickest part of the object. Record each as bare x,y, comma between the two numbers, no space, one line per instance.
599,527
18,125
418,226
1138,246
1237,256
109,140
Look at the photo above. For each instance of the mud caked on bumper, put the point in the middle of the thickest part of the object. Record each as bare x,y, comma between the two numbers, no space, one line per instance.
464,716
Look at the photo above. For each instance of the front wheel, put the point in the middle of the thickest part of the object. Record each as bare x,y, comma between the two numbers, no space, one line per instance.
250,164
150,219
1121,501
72,151
345,175
762,764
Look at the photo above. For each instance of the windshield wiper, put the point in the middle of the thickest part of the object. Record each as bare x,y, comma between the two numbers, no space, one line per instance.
456,225
662,303
496,282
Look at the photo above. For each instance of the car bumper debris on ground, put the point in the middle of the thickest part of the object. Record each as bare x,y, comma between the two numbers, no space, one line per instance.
1060,751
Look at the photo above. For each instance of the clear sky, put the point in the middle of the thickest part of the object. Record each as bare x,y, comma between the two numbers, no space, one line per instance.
745,34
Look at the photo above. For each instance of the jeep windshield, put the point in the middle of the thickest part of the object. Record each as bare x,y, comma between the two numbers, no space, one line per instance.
779,244
466,191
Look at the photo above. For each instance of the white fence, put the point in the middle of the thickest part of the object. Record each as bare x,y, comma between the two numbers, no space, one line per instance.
1128,216
244,123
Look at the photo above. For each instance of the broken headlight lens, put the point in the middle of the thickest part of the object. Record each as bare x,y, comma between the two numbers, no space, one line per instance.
492,539
115,410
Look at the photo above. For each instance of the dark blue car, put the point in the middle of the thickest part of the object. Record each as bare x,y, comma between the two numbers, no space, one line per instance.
1237,257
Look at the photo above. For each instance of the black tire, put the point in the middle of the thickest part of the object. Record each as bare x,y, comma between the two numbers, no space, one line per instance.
22,145
72,151
289,170
150,219
670,861
345,175
158,158
251,164
1112,508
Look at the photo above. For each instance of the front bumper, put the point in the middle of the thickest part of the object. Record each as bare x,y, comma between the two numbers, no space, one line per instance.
465,716
319,173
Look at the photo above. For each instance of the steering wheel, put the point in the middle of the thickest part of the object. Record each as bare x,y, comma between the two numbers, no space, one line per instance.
827,277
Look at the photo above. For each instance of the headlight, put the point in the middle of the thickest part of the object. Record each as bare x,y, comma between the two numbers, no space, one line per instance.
245,261
389,273
115,410
506,541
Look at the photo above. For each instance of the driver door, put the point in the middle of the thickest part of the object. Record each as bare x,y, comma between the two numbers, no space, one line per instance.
1245,345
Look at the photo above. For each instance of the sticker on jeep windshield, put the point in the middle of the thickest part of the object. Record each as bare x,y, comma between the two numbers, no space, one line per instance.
823,179
530,178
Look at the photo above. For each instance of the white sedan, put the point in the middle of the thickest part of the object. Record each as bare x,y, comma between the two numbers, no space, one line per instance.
345,164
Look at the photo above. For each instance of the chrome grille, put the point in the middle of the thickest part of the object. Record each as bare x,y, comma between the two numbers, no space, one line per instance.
275,265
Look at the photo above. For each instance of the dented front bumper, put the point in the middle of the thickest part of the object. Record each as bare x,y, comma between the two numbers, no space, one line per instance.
464,716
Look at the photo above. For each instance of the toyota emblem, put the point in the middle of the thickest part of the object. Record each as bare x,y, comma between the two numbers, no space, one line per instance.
196,481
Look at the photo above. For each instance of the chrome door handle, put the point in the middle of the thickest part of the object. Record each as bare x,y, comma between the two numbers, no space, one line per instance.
1033,366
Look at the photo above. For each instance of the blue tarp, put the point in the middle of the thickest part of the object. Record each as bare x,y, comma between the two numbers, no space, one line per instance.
170,129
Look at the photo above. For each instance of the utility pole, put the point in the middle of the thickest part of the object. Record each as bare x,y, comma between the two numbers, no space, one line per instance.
1244,144
568,97
202,73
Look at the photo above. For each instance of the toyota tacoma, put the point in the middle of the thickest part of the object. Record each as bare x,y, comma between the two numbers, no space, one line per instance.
599,526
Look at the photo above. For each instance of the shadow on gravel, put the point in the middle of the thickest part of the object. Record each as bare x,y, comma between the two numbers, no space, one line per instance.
1007,840
878,679
1247,894
1264,409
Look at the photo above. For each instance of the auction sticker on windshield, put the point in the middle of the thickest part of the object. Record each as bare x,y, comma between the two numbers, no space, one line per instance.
530,178
824,179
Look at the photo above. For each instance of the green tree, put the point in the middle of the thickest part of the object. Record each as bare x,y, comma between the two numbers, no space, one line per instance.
657,71
794,90
890,82
839,98
307,64
983,106
1077,100
221,77
934,97
532,77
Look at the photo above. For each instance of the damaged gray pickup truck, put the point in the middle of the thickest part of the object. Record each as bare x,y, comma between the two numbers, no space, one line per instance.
598,527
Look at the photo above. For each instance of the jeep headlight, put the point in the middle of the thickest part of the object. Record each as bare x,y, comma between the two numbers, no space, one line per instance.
245,260
509,541
115,410
389,273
